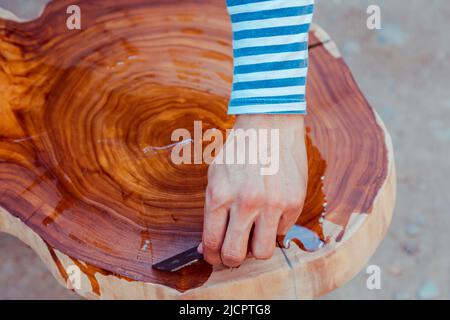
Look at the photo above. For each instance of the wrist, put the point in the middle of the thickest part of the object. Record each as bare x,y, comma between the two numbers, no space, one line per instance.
279,121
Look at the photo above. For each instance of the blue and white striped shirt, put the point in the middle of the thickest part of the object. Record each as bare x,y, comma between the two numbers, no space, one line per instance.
270,47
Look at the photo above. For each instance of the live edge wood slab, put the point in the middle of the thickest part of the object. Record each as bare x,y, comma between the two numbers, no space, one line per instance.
85,179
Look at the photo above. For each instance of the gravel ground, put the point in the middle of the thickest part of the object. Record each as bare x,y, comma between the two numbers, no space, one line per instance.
402,70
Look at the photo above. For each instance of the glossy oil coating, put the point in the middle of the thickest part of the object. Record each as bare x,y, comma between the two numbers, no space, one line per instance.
87,117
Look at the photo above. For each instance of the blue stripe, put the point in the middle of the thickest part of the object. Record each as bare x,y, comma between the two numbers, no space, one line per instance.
271,14
253,51
271,66
272,83
232,3
238,110
271,32
267,100
288,112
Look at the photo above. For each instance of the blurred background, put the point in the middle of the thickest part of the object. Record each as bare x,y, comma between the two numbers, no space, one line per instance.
404,72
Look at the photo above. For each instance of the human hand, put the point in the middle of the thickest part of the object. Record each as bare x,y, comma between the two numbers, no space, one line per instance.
239,197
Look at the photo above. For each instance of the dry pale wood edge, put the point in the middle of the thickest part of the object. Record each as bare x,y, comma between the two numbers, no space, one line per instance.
326,41
310,274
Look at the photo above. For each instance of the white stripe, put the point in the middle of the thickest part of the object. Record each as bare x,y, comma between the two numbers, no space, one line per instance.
268,41
270,23
268,108
267,92
268,5
279,74
273,57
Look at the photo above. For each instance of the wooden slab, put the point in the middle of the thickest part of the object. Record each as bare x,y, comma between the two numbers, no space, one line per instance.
85,173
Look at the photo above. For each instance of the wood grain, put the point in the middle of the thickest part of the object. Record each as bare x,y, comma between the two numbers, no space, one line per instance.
85,170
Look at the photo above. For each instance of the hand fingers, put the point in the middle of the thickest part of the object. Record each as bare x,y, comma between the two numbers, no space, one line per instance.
214,228
264,235
287,220
234,249
215,225
284,225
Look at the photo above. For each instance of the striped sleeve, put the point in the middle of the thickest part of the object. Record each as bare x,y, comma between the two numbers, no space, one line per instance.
270,48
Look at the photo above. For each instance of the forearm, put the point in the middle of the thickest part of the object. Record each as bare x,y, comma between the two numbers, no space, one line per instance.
270,44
